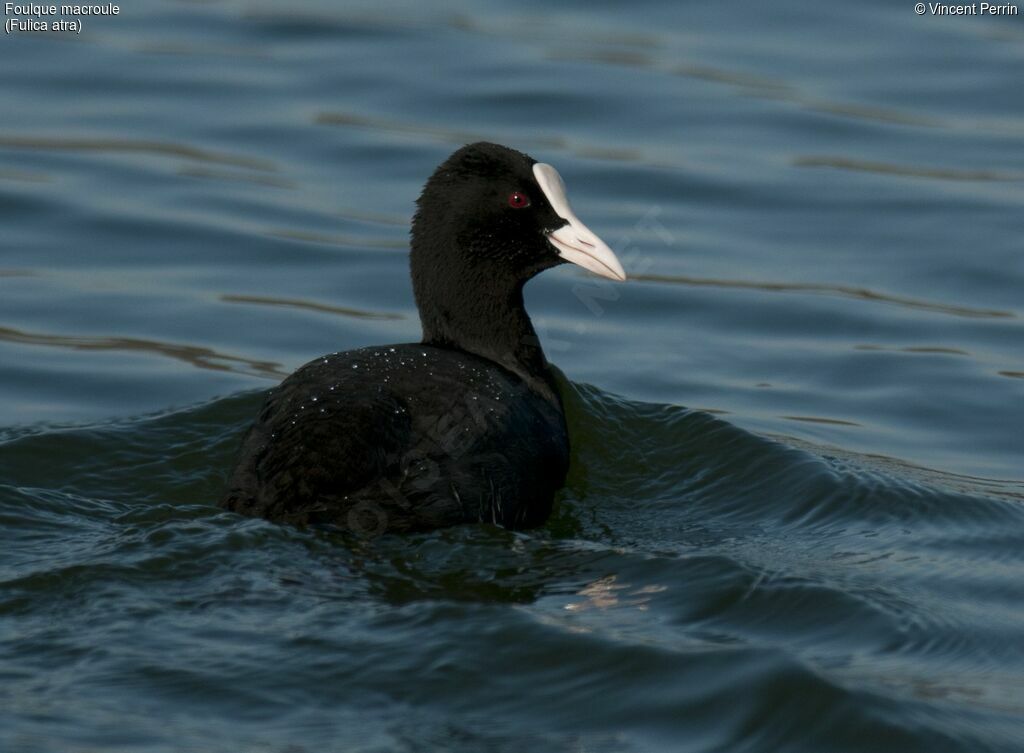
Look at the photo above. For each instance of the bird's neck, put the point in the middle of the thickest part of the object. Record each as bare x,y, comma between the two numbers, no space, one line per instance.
483,314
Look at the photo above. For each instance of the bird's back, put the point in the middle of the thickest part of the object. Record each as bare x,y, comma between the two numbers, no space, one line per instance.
402,437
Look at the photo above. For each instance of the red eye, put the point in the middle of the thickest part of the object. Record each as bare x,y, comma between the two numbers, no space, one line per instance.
518,200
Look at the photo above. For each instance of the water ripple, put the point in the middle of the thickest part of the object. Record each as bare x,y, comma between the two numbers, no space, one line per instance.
259,179
22,176
195,355
846,291
886,168
459,137
759,86
136,146
309,306
343,241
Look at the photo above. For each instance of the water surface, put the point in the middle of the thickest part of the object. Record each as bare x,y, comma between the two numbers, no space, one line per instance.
795,518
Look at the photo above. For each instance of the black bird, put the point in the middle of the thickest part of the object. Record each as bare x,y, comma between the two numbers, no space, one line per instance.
468,424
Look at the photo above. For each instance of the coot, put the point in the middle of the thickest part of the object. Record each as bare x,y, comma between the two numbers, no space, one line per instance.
466,425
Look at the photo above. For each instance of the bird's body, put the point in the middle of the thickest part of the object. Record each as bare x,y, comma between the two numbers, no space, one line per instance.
402,437
465,426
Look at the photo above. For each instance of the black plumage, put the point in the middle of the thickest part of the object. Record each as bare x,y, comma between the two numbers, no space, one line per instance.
466,425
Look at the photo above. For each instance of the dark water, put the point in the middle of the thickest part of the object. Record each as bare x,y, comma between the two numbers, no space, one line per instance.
821,210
